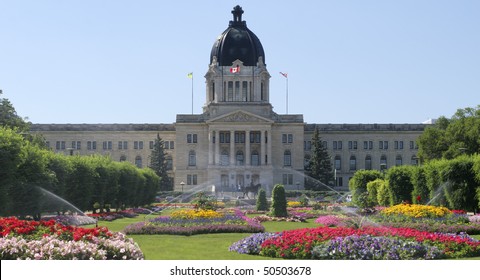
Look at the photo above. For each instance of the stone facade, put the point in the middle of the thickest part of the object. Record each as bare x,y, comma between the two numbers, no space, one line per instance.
239,140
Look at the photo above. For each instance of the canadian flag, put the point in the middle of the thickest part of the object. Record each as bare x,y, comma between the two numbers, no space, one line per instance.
235,69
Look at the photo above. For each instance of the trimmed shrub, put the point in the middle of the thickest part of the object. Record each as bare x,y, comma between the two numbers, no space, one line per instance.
262,204
359,181
279,201
400,185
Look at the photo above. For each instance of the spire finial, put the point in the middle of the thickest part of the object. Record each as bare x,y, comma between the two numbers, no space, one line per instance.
237,16
237,13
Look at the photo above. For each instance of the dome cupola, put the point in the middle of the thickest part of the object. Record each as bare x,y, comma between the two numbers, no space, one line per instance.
237,42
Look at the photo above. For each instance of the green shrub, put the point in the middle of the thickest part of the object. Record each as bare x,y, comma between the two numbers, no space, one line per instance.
279,201
262,204
400,185
359,181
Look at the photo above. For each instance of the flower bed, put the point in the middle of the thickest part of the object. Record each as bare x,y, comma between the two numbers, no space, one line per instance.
417,211
427,218
298,244
110,216
44,240
189,223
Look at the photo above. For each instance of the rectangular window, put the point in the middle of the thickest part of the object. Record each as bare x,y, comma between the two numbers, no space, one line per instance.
191,179
380,145
244,90
395,145
192,138
352,145
172,145
365,145
76,145
107,145
400,145
325,144
135,145
290,138
230,91
370,145
287,179
337,145
284,138
237,91
239,137
166,145
89,145
385,145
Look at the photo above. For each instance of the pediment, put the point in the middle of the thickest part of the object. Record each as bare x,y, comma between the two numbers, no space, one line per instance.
240,116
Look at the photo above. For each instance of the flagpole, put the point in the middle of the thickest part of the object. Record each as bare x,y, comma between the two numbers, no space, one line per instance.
286,90
285,75
192,93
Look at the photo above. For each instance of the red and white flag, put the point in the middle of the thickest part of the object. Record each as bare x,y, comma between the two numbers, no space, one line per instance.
284,74
235,69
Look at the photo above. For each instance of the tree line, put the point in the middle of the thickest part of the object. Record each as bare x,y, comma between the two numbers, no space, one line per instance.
29,172
454,183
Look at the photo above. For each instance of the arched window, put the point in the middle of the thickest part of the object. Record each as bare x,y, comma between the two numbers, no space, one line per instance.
414,160
138,161
255,159
338,163
239,158
368,162
383,162
398,160
224,158
287,158
169,162
353,163
123,158
192,158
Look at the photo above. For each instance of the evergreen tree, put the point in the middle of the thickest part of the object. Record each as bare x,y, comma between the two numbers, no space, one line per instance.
159,164
262,204
279,202
319,166
9,117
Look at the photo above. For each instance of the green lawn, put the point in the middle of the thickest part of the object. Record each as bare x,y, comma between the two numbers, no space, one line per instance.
196,247
202,246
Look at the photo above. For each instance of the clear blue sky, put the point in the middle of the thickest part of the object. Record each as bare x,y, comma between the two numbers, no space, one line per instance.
115,61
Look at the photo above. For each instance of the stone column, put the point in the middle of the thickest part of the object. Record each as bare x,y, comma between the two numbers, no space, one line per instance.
262,148
247,148
232,147
211,151
217,147
269,147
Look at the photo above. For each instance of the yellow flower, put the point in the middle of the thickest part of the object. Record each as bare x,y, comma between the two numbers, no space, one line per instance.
195,214
417,210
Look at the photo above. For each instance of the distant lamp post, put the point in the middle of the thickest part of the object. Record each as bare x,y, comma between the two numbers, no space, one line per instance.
383,167
182,184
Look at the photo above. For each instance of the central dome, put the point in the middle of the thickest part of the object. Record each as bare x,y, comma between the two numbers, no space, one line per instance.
237,42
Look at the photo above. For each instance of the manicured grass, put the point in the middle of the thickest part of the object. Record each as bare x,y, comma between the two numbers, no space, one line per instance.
196,247
202,246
